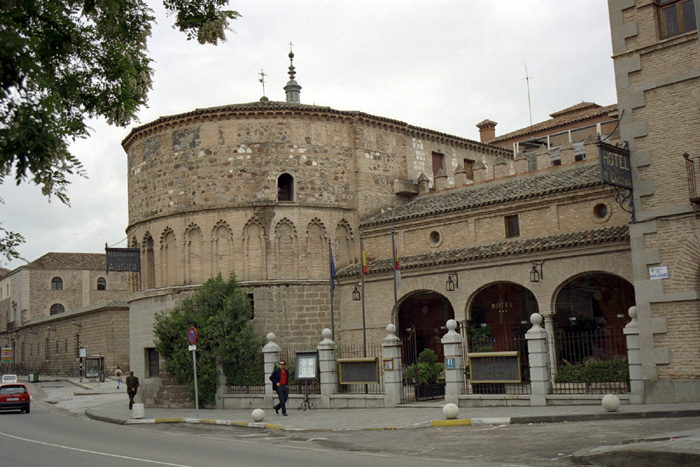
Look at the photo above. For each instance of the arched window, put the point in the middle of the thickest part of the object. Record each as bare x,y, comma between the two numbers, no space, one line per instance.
57,308
285,188
101,284
56,283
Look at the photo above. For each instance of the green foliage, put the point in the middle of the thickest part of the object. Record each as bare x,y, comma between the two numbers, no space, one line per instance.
219,311
480,338
425,371
594,372
62,61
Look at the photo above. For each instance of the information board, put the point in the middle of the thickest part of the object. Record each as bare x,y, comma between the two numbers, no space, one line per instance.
494,367
358,370
307,362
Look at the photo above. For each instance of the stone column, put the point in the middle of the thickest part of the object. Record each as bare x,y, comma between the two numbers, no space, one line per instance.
538,357
328,369
634,358
271,354
391,350
453,348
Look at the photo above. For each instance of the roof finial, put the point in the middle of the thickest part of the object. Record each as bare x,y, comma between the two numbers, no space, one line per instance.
262,80
292,89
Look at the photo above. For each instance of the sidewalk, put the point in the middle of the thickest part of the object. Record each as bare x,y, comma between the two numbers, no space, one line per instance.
684,449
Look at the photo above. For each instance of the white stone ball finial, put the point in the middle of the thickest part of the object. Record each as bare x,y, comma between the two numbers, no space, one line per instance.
271,337
536,319
391,329
326,333
451,325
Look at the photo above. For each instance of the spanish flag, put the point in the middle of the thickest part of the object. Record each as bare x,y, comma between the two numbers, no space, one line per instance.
364,260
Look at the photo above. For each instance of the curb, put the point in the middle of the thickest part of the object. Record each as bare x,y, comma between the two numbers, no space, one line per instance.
604,416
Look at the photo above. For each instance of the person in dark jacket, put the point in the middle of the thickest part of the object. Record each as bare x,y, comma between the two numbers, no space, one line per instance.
132,384
279,378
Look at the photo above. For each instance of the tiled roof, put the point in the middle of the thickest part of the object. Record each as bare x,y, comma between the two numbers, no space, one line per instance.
4,272
508,248
69,261
557,180
573,114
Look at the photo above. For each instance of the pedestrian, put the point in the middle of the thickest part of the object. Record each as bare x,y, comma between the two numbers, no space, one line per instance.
132,384
118,374
279,378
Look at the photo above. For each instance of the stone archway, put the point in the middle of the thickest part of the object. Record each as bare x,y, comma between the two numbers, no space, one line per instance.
590,312
421,321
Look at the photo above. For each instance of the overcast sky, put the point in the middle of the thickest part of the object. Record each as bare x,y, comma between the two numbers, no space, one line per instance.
440,64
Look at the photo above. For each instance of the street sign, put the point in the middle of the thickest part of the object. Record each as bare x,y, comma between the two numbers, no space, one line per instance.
192,335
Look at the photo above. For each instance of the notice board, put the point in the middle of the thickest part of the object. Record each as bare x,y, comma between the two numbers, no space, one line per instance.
358,370
494,367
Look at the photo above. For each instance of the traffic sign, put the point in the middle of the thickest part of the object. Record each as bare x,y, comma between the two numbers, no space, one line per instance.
192,335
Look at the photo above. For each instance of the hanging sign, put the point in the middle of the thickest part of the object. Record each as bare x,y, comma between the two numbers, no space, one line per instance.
615,168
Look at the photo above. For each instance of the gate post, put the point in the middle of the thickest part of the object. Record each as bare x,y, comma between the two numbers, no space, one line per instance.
634,358
539,361
391,361
452,344
328,369
271,354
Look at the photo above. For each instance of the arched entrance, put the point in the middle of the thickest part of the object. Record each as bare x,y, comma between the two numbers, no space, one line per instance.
499,317
590,312
421,322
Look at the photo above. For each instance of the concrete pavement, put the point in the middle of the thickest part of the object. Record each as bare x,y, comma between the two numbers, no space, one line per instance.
109,405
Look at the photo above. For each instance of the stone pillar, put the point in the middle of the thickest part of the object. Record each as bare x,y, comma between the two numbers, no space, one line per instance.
453,345
271,354
500,168
590,146
328,368
220,384
521,163
480,172
634,358
567,153
543,160
423,183
391,350
440,180
538,357
460,176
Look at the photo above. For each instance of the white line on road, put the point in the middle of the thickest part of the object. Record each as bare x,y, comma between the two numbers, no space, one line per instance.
91,452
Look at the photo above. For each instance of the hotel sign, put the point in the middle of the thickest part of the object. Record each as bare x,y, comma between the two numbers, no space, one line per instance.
615,166
123,259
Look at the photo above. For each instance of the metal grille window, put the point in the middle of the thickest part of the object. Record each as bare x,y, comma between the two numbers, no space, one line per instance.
56,283
676,17
57,309
512,226
101,284
153,360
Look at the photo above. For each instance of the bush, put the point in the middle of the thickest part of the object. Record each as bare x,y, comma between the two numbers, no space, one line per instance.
594,372
426,371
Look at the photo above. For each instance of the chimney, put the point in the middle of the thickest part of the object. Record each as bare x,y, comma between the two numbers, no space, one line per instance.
487,130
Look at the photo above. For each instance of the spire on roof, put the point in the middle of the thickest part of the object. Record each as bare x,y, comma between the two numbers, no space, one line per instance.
292,89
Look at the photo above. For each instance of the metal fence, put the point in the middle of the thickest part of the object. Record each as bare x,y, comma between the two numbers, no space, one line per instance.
591,362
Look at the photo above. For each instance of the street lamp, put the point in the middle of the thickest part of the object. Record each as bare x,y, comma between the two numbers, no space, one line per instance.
537,273
452,282
356,294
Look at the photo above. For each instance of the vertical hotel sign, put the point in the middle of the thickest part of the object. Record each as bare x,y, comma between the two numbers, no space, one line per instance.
615,168
123,259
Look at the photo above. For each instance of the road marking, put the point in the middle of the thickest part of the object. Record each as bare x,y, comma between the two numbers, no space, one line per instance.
91,452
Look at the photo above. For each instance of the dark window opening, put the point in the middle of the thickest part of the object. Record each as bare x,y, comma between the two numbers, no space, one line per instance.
285,188
512,226
438,160
676,17
251,297
101,284
57,309
153,363
56,283
469,167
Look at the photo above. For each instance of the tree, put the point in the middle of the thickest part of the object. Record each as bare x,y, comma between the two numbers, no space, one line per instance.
63,61
220,312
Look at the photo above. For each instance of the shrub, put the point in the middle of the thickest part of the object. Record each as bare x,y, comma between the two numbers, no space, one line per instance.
594,372
425,371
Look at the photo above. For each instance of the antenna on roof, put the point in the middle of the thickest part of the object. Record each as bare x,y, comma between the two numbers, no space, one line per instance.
262,80
527,80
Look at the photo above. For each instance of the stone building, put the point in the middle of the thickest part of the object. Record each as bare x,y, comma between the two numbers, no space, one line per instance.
656,54
52,306
263,189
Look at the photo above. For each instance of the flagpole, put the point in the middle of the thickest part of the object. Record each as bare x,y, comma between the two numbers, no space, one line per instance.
362,275
332,271
395,259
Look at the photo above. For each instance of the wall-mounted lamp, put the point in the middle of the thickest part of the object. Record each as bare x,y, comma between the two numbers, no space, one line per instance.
536,273
452,282
48,327
356,294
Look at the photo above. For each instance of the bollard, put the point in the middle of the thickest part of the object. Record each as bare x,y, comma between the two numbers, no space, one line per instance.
137,411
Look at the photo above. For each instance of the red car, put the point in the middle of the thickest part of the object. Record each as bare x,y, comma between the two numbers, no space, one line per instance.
14,396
